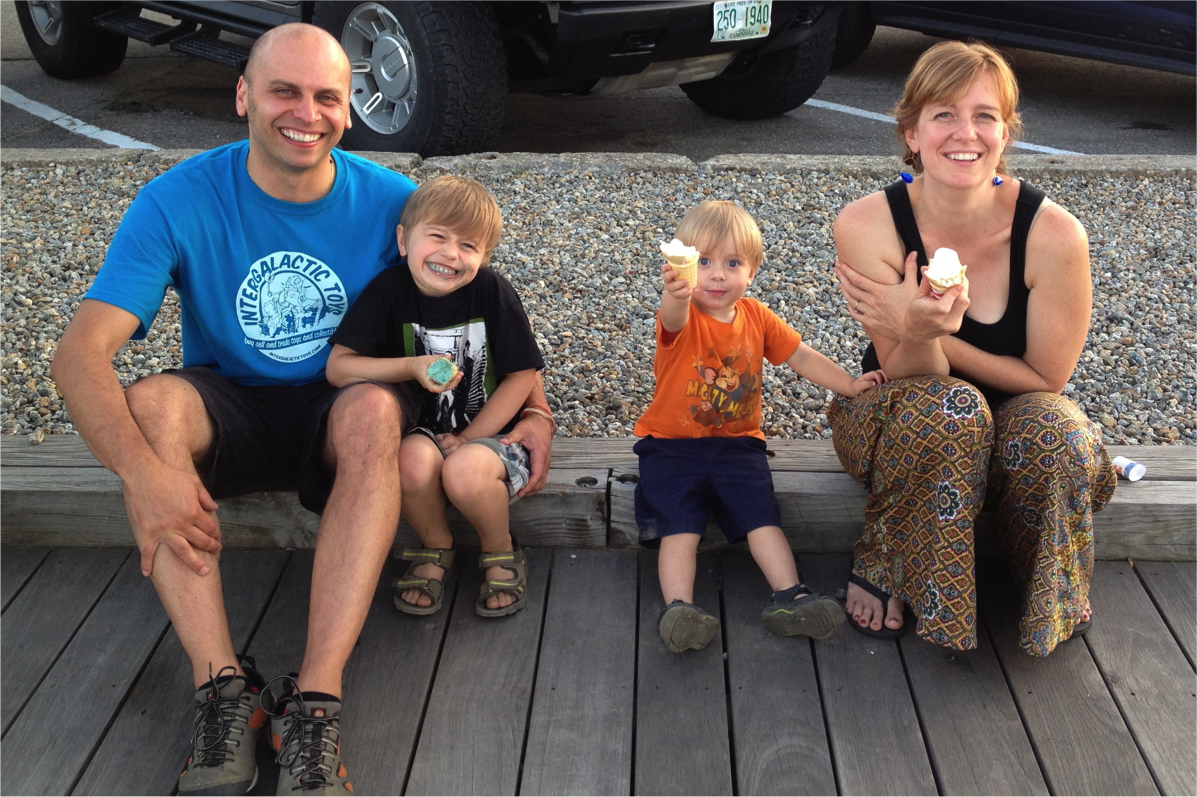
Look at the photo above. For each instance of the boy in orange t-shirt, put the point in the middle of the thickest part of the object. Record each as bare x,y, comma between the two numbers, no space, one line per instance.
703,451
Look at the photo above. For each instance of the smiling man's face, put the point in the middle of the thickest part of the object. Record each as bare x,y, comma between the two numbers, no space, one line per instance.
296,94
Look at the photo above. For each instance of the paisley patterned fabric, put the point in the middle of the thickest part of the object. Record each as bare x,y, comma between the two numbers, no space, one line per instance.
925,448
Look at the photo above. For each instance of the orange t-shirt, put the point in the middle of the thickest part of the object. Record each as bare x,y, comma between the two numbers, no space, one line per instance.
709,374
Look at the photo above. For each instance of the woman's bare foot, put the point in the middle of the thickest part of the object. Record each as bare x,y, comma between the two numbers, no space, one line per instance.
1087,614
415,597
867,611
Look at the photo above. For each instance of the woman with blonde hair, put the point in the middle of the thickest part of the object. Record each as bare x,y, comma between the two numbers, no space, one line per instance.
974,412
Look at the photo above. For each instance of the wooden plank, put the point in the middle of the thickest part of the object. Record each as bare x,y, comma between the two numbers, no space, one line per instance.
17,565
570,512
52,740
1173,587
83,506
580,732
1164,463
279,642
59,450
145,748
46,615
475,725
387,683
871,719
976,740
1148,674
682,742
1148,520
1083,744
778,732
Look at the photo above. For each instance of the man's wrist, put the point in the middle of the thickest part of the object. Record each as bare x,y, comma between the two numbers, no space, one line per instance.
542,411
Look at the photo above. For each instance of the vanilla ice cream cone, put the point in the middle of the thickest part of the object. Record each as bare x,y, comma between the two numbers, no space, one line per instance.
944,271
684,260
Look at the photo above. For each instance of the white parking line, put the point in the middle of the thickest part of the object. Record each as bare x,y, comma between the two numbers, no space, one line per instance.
880,117
69,122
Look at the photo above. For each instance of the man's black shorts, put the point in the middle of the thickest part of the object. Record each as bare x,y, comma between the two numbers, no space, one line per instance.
270,437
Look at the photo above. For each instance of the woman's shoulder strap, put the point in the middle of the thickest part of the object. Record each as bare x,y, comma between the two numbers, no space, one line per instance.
898,197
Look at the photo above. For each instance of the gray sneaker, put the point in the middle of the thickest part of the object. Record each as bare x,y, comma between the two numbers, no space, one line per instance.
683,626
228,718
306,735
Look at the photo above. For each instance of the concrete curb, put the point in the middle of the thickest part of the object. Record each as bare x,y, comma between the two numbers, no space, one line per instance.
1153,166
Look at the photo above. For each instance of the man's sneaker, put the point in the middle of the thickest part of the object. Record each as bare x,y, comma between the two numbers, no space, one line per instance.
683,626
800,611
306,734
228,718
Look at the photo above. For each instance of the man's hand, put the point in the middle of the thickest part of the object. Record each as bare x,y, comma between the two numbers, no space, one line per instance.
534,433
172,507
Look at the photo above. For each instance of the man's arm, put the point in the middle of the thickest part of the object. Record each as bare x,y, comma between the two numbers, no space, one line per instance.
165,505
535,433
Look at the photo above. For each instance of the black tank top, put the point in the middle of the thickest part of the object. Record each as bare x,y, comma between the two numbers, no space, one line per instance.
1008,335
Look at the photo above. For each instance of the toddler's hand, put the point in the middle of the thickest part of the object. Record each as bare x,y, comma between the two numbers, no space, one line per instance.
449,442
866,381
675,286
420,367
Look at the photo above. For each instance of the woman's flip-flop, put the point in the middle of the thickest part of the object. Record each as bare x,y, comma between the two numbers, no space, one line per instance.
885,632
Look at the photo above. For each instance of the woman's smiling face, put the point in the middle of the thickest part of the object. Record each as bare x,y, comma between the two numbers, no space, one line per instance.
961,142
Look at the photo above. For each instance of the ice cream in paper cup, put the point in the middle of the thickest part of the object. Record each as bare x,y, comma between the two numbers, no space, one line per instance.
684,260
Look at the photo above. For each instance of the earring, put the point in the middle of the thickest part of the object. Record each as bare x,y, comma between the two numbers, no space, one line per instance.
906,177
998,181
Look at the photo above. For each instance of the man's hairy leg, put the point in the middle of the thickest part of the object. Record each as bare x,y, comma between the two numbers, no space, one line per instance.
356,530
171,415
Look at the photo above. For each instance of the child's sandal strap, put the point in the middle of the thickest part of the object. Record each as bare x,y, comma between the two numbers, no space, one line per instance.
441,557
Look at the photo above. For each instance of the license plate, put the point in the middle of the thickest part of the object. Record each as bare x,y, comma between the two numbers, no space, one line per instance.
742,19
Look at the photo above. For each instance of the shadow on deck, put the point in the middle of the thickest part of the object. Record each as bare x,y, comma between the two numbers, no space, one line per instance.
577,695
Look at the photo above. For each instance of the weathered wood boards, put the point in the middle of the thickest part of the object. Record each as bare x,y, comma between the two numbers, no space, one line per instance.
543,701
56,494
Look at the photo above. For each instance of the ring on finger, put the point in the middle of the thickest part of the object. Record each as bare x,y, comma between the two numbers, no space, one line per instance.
856,309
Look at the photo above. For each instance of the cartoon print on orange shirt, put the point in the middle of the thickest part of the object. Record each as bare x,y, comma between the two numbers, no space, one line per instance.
726,389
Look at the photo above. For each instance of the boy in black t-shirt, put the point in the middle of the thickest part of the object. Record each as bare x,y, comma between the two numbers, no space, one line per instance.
445,305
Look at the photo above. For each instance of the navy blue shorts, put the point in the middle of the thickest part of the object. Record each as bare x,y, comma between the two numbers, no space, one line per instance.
683,482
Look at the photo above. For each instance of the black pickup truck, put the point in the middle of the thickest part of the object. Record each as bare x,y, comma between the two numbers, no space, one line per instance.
432,77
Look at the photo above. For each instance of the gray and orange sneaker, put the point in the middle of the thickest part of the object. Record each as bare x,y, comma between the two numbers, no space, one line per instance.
228,718
305,731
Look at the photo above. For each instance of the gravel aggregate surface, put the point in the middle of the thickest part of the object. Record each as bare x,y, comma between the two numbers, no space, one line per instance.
580,245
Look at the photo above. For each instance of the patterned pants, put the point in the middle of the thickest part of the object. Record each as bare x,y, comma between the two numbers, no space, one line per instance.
925,448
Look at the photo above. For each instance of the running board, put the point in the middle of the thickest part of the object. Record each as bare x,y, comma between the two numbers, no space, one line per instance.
129,22
211,49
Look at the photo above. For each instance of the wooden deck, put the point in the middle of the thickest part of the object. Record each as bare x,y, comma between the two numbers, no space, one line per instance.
576,695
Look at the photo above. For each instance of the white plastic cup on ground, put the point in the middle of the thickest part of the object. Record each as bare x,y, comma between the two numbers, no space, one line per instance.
1129,469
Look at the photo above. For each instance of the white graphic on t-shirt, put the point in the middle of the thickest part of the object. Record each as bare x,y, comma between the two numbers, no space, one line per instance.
466,347
288,305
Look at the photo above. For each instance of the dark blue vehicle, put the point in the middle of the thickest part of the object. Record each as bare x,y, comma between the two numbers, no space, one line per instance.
1152,34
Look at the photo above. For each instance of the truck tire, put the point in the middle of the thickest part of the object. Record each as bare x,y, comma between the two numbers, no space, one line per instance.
855,32
429,78
64,41
763,86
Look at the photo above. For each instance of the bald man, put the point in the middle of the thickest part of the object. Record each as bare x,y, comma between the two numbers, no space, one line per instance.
266,242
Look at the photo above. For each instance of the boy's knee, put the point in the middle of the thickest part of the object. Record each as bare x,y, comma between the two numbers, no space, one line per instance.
466,470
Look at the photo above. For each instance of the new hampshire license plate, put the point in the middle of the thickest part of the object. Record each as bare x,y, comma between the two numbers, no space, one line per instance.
742,19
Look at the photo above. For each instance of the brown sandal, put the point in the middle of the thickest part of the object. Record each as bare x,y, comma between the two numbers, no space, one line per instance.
433,588
518,586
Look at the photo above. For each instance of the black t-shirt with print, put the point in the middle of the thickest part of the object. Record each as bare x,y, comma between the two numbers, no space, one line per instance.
482,327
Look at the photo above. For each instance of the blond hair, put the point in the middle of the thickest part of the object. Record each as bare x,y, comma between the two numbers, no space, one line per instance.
944,74
709,223
461,204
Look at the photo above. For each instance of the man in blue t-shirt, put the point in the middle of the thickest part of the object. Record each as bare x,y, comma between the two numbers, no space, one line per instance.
267,243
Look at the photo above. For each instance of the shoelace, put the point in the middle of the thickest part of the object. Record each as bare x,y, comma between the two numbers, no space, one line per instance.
316,740
214,720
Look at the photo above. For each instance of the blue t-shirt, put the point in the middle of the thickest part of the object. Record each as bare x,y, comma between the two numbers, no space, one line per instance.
262,283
